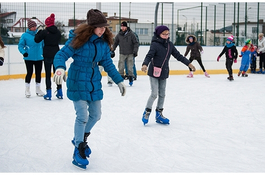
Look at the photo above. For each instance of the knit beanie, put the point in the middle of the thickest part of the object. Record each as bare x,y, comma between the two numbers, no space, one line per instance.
160,29
230,38
248,41
50,20
95,18
124,24
31,24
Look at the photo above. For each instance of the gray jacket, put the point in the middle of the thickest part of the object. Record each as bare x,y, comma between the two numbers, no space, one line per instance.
127,41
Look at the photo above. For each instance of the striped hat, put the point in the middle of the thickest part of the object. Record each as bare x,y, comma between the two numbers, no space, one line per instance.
31,24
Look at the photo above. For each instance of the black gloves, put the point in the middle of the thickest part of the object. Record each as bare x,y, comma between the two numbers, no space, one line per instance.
112,54
134,54
25,54
1,61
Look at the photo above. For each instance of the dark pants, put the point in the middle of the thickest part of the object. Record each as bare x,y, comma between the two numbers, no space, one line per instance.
199,61
228,65
253,64
48,65
38,69
262,61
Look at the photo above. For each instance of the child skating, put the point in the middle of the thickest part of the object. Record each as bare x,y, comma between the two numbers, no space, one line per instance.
195,50
246,53
231,56
157,61
253,63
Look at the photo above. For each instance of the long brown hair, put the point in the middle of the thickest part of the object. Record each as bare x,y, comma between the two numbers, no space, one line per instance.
2,43
84,32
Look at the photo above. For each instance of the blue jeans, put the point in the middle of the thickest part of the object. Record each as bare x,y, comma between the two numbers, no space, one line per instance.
87,114
134,68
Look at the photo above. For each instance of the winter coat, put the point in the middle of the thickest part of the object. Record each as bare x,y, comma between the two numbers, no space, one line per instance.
194,47
246,55
127,41
157,53
261,45
51,37
230,52
28,45
2,52
84,78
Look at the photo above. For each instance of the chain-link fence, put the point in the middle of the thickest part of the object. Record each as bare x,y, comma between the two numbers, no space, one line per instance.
211,23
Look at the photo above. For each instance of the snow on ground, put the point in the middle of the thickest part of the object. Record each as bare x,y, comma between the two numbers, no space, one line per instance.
216,126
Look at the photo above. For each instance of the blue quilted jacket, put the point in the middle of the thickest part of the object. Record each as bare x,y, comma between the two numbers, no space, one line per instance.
84,78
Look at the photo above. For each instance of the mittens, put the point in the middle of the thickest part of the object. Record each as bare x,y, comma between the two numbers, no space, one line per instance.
1,61
122,88
26,54
59,76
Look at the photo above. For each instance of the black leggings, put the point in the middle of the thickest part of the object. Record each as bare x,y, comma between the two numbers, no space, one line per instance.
48,65
38,69
228,65
199,61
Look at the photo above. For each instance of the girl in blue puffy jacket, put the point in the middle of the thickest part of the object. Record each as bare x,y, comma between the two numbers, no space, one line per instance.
88,45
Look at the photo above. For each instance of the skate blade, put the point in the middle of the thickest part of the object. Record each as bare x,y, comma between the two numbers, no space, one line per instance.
40,95
79,166
27,96
59,97
160,122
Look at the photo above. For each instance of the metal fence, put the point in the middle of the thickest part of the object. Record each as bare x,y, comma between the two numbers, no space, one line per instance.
211,23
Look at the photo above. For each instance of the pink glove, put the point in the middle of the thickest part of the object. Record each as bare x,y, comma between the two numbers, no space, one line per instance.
218,58
235,61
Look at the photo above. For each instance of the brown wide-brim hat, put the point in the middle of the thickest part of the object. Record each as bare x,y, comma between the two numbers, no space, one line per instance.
95,18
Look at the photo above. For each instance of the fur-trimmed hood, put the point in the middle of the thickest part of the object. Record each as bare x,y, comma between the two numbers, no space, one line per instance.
194,39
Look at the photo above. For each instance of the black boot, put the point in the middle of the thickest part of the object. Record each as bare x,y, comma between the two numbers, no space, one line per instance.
81,149
87,148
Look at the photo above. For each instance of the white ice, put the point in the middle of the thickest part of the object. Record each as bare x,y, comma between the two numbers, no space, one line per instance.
216,126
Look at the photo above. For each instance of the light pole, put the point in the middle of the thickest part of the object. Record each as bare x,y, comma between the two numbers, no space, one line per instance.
246,18
185,25
224,23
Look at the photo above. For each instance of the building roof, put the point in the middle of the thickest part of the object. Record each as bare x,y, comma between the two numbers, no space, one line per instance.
6,14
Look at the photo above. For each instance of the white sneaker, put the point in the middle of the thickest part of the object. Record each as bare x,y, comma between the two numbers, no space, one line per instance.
38,91
27,91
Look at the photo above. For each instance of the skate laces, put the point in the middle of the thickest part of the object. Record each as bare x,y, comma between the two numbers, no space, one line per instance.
147,114
161,115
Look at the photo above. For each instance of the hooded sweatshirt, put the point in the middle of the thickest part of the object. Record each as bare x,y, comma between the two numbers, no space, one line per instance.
52,37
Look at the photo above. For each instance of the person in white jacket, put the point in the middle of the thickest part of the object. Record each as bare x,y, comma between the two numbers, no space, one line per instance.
261,52
2,51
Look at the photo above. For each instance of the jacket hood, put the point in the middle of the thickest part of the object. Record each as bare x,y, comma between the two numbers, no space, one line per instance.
52,29
194,39
157,39
31,32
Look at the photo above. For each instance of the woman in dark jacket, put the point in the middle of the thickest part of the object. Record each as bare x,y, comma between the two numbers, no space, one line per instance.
52,37
158,56
195,50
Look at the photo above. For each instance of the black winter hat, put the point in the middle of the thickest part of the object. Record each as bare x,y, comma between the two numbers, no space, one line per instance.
96,18
124,23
